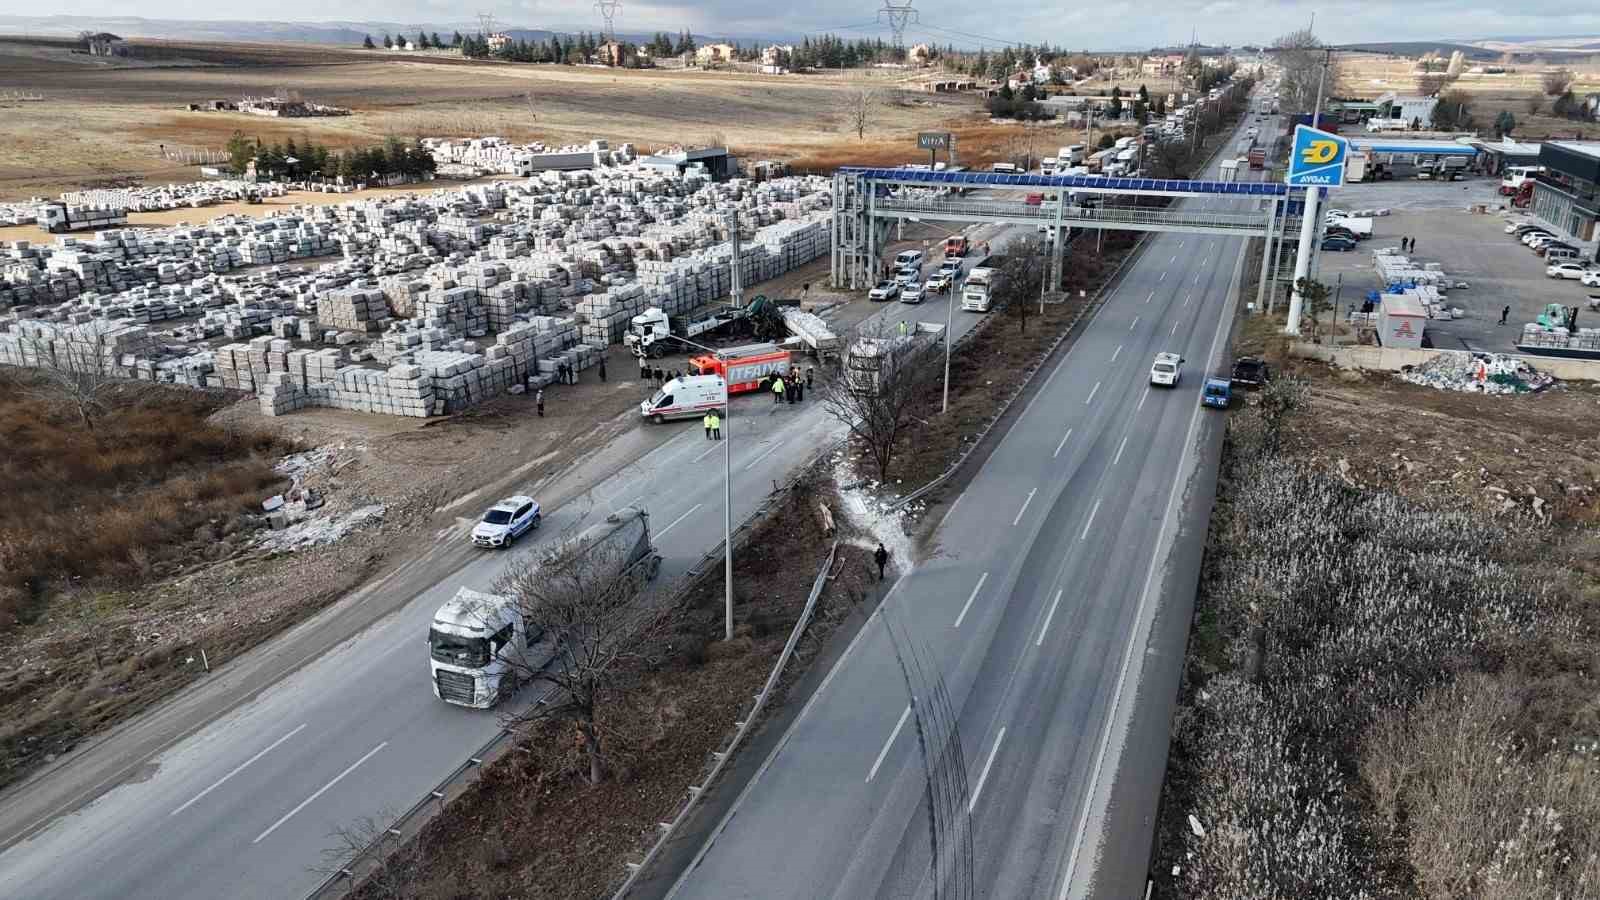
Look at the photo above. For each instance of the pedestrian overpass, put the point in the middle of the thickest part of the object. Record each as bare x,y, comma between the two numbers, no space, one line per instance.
868,201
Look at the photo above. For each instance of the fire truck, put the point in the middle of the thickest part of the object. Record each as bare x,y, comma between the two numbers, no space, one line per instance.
747,368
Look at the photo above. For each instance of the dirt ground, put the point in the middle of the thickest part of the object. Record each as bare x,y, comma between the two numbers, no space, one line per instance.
1370,74
513,834
98,122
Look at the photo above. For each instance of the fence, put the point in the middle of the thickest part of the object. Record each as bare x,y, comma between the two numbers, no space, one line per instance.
344,879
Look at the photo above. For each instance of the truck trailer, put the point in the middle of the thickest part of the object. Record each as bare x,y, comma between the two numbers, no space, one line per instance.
58,218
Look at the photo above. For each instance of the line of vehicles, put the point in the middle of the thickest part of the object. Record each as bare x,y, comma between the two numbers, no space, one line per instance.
1543,242
1249,373
1342,231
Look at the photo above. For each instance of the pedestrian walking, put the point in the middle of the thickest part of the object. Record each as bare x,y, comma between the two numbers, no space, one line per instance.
716,426
902,327
561,372
789,391
1504,313
538,400
777,390
1413,245
706,420
799,392
602,368
810,371
881,557
644,370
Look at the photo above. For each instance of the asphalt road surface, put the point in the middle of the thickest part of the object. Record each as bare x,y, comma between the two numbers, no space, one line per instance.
1054,612
245,806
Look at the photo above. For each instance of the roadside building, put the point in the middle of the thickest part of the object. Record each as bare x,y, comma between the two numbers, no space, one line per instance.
1567,196
714,54
919,55
106,44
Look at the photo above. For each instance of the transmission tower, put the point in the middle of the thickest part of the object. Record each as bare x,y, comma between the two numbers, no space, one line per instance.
485,23
608,12
898,15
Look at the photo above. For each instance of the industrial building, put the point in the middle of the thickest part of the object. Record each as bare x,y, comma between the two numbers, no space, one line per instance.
1567,196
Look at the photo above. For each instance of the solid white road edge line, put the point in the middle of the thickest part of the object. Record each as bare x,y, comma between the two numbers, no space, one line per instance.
1088,524
750,786
1174,495
686,515
1092,392
889,743
1063,443
1048,616
952,509
236,770
753,462
320,791
1025,502
960,618
708,451
984,775
1120,447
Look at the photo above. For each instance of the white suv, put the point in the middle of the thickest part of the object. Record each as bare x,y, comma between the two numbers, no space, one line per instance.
1590,278
506,521
1166,370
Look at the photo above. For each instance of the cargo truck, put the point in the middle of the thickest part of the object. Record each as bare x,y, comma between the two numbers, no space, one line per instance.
977,294
748,368
480,646
1258,158
653,333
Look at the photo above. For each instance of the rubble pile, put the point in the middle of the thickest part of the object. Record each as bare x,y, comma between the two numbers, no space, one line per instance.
1479,373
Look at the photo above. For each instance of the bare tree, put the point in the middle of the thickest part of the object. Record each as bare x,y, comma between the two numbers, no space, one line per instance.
876,395
861,107
1431,83
76,366
1168,159
1301,54
385,864
582,598
1022,277
1557,82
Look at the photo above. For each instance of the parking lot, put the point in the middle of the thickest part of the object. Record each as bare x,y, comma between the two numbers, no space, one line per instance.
1471,247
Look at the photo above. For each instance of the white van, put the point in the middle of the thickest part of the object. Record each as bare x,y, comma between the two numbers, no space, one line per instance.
907,258
1004,168
686,396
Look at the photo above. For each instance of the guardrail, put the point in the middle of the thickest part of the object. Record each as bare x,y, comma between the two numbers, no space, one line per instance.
744,727
1121,218
342,880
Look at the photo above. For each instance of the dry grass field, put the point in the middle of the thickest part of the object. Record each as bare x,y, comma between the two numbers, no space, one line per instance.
101,122
1370,74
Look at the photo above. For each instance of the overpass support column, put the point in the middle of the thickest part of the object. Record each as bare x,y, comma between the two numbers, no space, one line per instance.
1266,257
1302,260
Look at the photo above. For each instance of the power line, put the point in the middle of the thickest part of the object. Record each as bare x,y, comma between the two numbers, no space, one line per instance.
968,34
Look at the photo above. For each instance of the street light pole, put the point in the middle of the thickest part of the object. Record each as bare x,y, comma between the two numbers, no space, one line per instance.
949,322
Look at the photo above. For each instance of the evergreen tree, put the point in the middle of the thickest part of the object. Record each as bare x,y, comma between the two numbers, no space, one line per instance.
436,42
367,44
422,40
456,40
388,42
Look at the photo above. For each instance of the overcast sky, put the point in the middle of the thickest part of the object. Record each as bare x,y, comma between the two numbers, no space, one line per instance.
1112,25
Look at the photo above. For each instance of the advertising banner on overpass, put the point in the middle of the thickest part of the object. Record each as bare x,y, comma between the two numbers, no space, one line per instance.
1317,159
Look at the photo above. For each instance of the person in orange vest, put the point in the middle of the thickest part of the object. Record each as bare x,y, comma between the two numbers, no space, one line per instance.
777,389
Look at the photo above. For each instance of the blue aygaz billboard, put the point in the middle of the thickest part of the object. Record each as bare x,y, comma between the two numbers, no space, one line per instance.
1317,159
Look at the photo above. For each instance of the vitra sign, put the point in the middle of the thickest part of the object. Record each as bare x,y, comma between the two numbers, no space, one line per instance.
933,140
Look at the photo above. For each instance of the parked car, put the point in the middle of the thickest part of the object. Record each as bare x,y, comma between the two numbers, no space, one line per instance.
1521,228
912,293
1339,242
506,521
1216,394
1567,271
1338,231
1590,278
1535,238
1250,372
884,290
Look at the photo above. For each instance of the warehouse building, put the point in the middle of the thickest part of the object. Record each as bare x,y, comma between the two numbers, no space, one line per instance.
1567,196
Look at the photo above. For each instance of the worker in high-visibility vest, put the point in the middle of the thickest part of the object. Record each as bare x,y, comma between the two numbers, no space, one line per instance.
777,389
716,427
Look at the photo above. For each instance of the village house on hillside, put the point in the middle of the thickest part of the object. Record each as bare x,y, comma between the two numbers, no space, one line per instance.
105,44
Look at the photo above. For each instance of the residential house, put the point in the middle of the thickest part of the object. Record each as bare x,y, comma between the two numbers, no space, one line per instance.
1019,80
919,55
498,41
777,55
714,54
106,44
612,53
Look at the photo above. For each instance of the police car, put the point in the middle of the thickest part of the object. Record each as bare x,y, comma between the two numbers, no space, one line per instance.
1166,370
506,521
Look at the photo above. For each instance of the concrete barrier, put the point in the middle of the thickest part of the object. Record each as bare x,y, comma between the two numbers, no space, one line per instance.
1393,359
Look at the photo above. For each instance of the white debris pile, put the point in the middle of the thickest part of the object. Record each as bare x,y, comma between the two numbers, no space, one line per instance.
319,530
1478,373
865,505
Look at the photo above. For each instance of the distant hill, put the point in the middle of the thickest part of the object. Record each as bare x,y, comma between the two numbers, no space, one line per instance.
346,33
1417,48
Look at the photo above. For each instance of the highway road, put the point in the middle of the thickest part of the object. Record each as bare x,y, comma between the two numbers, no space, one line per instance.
244,807
1054,608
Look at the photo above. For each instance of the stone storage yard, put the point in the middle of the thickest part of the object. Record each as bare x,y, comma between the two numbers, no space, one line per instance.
435,301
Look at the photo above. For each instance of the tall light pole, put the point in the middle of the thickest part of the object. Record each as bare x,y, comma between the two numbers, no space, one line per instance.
727,495
949,322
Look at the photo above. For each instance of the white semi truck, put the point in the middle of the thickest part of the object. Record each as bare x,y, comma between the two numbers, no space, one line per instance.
62,217
479,645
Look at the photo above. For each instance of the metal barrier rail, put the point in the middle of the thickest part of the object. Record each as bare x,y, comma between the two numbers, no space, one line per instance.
744,726
341,881
1122,218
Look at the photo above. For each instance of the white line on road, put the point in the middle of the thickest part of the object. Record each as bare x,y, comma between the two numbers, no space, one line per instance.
708,451
320,791
1173,259
1163,277
1062,444
679,519
1024,507
981,579
1120,447
951,509
1116,353
1151,297
1134,324
237,769
1048,616
1087,525
1174,331
984,775
761,457
1092,392
1187,298
889,743
1197,276
1144,398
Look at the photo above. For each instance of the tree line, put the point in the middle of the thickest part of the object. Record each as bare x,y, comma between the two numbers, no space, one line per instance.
290,161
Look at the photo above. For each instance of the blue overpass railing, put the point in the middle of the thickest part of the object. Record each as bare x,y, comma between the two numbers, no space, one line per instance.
1174,187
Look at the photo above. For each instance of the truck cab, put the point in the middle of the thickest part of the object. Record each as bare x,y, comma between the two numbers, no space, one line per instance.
477,646
648,333
955,245
976,294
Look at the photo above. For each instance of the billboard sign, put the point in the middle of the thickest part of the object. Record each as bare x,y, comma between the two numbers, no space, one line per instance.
1317,159
933,140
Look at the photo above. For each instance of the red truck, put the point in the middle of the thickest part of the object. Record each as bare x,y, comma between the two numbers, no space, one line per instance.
747,368
1258,158
955,245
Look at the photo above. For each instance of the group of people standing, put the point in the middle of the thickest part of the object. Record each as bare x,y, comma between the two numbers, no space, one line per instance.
793,388
656,374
